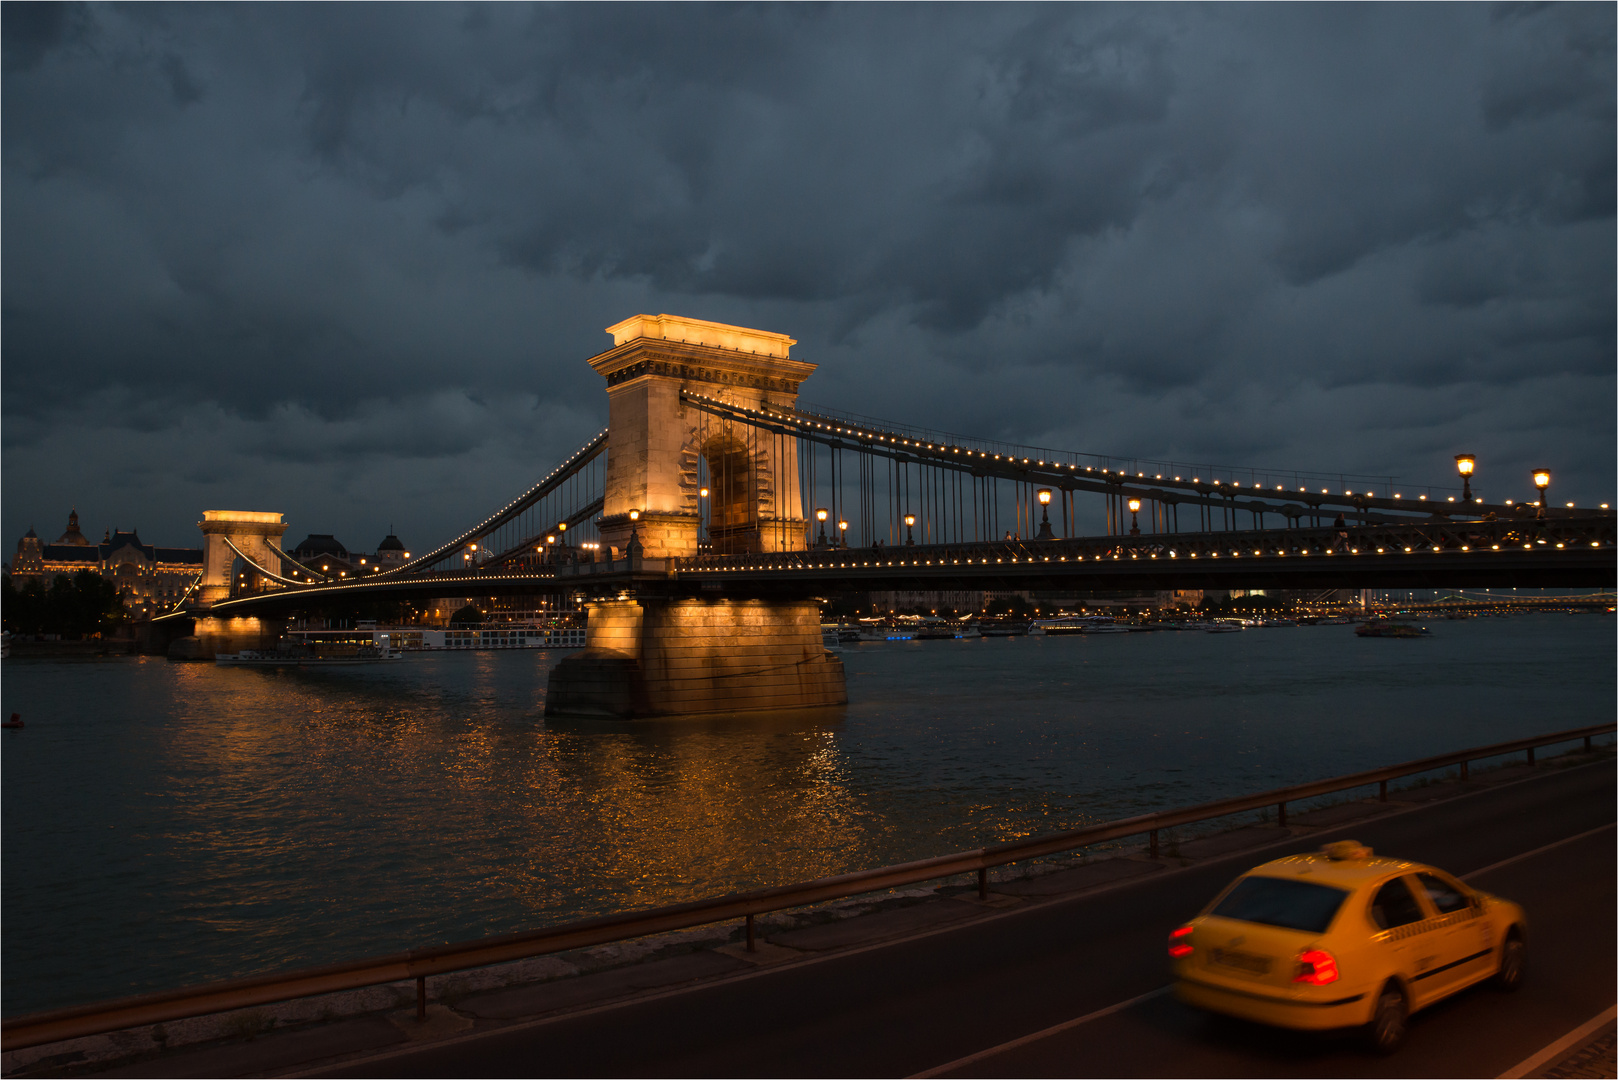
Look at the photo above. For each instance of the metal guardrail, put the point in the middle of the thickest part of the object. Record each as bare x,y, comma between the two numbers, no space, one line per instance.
419,964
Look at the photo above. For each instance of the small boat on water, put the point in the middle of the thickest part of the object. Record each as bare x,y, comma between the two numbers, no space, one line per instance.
1391,629
999,628
1221,627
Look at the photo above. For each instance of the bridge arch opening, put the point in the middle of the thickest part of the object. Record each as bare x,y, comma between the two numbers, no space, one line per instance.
729,474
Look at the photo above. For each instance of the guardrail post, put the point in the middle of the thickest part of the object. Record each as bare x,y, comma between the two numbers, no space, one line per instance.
1382,791
751,945
1281,812
983,883
1464,771
421,999
1153,844
1530,755
1587,744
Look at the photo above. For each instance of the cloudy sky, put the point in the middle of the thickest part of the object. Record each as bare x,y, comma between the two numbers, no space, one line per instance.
348,262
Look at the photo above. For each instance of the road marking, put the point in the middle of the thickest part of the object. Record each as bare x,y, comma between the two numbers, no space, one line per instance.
1066,1025
1538,850
1055,1029
647,997
1561,1046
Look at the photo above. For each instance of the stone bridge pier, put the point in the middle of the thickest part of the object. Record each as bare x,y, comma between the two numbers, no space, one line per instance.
670,466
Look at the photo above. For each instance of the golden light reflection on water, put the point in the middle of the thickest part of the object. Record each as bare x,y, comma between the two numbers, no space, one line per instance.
503,822
174,823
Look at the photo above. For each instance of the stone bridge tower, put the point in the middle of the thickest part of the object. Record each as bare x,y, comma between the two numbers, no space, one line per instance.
660,452
257,533
665,656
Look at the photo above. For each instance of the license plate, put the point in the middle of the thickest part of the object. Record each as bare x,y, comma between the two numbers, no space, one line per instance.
1256,965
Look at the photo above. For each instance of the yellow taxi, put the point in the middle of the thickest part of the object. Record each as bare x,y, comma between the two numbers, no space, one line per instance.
1342,938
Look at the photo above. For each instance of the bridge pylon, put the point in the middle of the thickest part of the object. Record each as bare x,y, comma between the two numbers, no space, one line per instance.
662,453
660,656
257,534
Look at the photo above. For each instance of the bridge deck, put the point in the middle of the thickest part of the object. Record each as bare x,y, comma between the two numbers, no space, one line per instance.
1557,553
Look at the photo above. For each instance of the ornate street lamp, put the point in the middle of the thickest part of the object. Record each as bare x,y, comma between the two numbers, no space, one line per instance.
821,513
1464,464
910,530
1134,519
1542,480
1045,515
842,526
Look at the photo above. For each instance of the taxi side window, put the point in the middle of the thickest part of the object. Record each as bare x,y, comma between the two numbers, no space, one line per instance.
1445,897
1395,905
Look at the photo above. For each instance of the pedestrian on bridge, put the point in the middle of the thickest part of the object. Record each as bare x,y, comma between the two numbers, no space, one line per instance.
1342,532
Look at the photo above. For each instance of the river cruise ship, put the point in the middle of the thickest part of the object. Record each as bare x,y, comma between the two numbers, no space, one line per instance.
430,639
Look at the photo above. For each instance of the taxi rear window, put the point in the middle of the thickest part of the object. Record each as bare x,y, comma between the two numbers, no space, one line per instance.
1296,905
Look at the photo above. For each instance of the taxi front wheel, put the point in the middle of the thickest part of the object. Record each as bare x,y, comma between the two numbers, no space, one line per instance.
1386,1031
1513,962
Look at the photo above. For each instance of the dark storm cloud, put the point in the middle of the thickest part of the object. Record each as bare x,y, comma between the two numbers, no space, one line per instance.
347,257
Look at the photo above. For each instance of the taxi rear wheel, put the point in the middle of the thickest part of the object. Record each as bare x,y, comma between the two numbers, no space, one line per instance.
1513,962
1386,1031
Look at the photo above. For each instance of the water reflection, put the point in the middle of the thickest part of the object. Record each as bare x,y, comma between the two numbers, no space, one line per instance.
171,823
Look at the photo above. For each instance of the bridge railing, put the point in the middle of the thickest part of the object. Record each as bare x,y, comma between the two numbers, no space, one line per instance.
1387,539
420,964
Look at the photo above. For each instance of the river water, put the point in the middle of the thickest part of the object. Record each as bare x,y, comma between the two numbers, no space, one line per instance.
167,824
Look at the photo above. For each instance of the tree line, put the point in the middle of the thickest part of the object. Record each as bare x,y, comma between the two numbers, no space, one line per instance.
74,607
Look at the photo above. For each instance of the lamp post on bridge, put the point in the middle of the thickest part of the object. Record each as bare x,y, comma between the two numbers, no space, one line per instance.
821,513
1542,480
1134,517
1045,532
910,530
1464,464
842,532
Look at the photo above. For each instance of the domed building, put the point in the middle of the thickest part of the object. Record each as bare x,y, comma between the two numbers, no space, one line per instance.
150,578
391,552
73,537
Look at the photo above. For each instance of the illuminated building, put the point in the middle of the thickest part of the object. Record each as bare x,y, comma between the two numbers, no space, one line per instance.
149,578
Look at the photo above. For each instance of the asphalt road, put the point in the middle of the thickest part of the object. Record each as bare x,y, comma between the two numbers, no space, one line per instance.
918,1005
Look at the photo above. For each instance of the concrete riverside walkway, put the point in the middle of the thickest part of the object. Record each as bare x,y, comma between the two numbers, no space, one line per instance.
317,1035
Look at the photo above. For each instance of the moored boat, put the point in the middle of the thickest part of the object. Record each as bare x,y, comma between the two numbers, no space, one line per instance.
306,656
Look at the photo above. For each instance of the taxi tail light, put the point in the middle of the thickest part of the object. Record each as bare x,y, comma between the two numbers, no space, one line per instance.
1180,943
1317,967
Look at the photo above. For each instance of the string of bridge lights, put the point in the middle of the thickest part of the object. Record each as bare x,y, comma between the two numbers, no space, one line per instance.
1465,463
1234,553
479,529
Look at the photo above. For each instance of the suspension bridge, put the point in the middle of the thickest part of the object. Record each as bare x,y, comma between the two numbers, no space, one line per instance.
705,520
